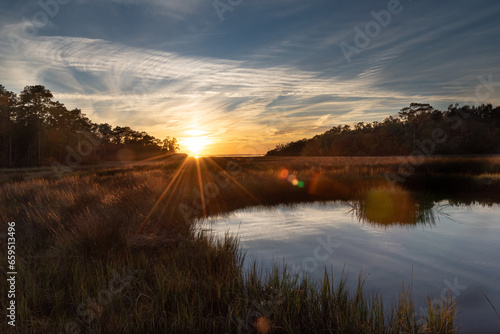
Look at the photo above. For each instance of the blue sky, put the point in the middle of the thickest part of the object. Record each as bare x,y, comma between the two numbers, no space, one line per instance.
245,75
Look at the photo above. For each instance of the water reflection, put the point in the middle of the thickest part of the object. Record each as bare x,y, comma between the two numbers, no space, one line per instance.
385,207
402,238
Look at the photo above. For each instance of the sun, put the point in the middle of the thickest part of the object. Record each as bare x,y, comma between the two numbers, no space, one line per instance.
196,144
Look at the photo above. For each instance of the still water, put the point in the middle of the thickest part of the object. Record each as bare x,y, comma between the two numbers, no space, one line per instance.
444,249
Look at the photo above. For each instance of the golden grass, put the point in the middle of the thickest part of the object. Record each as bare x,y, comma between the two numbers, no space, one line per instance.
74,234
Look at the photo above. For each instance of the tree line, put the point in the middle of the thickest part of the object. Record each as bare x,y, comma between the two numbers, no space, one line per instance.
462,130
36,130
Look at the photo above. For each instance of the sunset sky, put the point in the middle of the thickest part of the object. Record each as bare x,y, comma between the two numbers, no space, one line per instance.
245,75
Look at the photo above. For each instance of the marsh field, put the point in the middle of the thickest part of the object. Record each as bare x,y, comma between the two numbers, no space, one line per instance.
149,247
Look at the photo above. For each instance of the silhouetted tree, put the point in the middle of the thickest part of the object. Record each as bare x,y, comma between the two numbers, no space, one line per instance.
170,145
468,130
8,104
37,130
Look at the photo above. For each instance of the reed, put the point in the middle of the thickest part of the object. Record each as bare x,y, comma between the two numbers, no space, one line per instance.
109,250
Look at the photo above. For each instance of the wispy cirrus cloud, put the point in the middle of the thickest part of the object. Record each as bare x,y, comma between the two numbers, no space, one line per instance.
270,73
168,92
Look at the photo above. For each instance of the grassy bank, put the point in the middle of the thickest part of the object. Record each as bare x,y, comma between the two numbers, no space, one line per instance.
117,249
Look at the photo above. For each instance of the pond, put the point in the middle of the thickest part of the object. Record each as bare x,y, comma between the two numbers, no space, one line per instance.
439,248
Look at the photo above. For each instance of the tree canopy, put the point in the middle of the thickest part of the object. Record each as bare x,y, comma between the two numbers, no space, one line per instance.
458,130
37,130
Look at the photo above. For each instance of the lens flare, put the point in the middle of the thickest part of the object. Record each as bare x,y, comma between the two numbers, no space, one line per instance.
195,145
283,173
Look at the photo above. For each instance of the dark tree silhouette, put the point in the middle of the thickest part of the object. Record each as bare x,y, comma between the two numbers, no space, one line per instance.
36,130
8,103
170,145
466,130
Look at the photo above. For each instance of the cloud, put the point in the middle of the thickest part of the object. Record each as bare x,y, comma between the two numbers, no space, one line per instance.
180,5
175,9
253,99
189,77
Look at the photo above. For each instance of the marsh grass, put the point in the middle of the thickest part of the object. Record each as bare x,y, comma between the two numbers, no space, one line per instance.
74,233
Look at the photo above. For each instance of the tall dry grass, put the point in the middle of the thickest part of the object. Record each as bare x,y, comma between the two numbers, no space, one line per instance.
74,234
